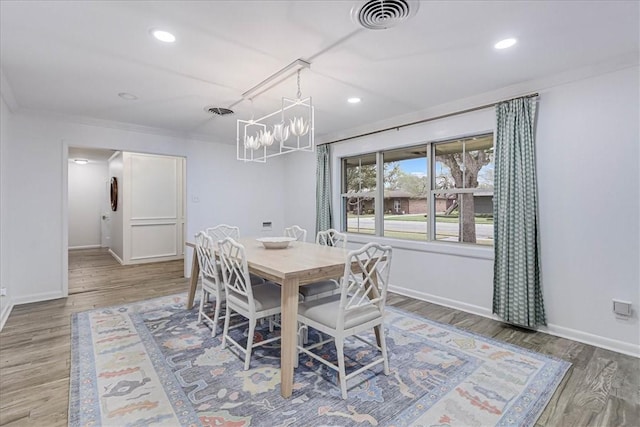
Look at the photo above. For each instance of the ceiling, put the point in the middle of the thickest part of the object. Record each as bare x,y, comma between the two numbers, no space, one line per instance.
94,155
73,58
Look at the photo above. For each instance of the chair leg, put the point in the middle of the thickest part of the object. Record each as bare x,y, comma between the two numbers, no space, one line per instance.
383,347
203,296
225,331
216,315
247,357
342,374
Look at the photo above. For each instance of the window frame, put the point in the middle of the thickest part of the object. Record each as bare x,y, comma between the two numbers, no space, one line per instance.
469,249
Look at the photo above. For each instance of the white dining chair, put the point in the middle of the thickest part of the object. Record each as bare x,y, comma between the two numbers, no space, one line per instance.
219,232
252,302
210,274
332,237
359,307
299,233
222,231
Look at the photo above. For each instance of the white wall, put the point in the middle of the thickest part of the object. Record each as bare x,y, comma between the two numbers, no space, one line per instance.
5,301
300,187
226,190
588,178
86,202
588,184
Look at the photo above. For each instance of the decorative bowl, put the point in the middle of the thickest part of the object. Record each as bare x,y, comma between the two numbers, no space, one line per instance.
276,242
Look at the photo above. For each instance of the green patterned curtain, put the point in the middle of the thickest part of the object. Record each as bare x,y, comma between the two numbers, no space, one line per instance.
323,189
517,295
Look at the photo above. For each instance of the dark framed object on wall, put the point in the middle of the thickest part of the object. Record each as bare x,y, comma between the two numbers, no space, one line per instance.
114,193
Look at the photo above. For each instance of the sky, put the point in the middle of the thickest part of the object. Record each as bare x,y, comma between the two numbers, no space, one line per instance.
414,166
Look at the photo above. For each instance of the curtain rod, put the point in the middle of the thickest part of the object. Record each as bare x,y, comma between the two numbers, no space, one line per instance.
468,110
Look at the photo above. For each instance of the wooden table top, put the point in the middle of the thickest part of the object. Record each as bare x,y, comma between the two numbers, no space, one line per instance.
306,261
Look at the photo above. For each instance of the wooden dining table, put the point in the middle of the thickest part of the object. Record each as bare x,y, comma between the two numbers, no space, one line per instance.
299,264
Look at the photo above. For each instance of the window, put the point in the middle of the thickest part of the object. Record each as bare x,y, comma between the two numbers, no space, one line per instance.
440,191
359,194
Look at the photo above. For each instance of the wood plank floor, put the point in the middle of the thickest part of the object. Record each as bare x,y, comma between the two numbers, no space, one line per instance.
602,388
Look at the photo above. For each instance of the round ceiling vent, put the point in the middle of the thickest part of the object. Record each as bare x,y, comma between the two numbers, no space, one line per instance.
220,111
383,14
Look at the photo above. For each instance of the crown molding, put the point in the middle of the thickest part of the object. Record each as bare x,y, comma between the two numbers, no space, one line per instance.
129,127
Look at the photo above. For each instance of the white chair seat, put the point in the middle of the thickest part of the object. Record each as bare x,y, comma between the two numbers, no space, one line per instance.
265,296
326,311
318,288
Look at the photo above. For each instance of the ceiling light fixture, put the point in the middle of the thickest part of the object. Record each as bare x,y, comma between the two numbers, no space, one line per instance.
506,43
163,36
81,161
354,100
288,129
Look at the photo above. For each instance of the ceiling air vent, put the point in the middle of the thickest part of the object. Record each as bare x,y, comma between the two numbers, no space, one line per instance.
220,111
383,14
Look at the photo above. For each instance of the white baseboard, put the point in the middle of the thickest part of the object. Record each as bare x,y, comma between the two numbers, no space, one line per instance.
72,248
44,296
113,254
458,305
595,340
555,330
7,306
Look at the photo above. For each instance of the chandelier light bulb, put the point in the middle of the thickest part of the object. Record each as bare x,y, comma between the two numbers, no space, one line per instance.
299,127
281,132
252,142
266,138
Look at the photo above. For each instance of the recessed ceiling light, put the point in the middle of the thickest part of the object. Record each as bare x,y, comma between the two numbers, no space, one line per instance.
163,36
503,44
127,96
353,100
81,161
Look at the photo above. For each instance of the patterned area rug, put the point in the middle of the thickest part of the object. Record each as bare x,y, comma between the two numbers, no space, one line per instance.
151,363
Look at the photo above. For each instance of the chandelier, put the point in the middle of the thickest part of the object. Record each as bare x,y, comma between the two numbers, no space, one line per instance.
286,130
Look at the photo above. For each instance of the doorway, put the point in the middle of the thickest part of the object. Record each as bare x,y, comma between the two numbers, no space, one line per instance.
88,224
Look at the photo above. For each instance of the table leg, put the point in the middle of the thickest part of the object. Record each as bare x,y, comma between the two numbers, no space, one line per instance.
288,351
193,281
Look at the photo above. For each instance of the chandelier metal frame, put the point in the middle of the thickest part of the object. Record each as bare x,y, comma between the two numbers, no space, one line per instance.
286,130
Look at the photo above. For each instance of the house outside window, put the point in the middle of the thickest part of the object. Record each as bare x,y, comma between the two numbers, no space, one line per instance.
438,191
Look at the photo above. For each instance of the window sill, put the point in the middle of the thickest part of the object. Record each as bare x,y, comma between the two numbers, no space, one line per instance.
443,248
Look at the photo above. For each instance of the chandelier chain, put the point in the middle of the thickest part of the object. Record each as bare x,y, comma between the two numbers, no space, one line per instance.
299,94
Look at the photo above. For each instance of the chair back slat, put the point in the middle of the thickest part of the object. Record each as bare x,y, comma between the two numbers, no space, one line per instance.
366,278
219,232
332,237
235,271
300,234
206,256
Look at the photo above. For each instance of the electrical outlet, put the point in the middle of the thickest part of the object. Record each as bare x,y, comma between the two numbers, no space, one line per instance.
622,308
3,292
